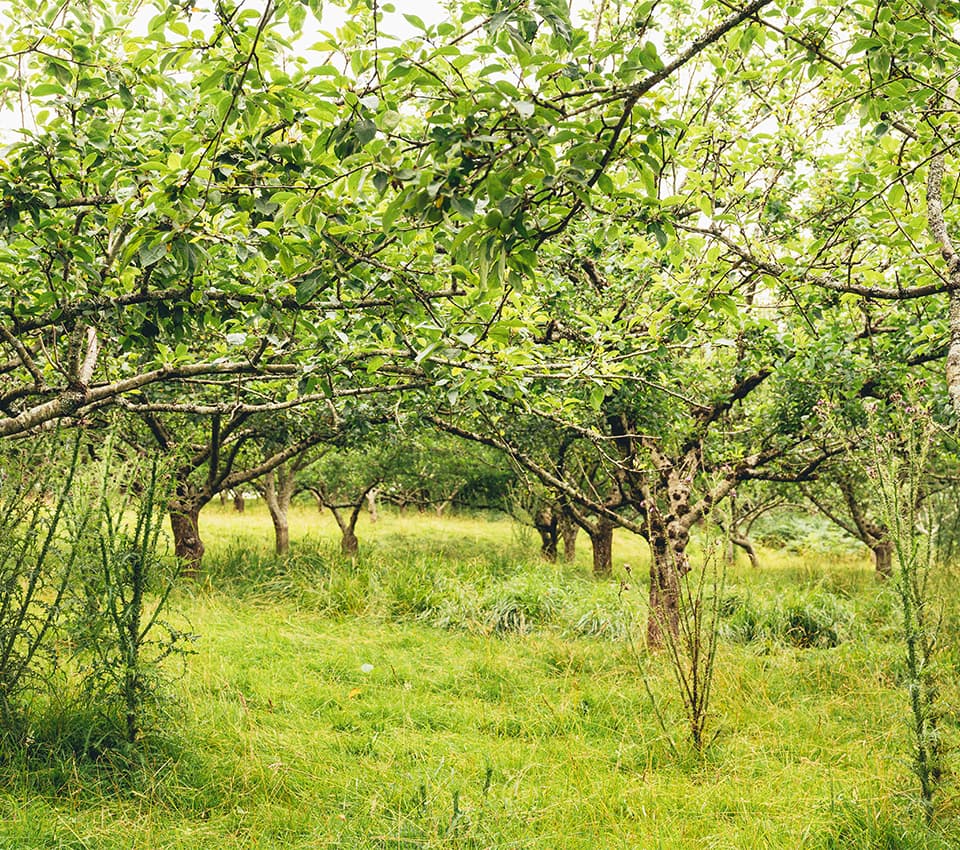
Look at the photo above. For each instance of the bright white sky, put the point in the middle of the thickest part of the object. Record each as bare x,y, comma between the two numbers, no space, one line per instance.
429,11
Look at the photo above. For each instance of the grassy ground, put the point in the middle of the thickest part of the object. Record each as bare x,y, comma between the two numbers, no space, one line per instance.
447,690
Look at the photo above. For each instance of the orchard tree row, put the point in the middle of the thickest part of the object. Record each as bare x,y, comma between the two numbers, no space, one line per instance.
655,259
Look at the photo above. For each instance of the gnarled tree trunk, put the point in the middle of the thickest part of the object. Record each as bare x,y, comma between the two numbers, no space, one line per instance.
664,598
239,503
349,545
568,533
187,545
601,540
744,543
668,539
883,557
545,521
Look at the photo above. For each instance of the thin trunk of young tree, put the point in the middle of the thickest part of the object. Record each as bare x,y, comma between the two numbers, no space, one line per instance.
349,545
874,535
744,543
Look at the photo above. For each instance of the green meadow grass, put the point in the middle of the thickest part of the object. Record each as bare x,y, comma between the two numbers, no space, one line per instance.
447,690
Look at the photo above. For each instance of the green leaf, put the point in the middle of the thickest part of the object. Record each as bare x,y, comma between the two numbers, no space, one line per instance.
48,88
380,181
597,395
308,287
365,131
862,44
392,211
148,255
656,229
724,304
605,184
463,205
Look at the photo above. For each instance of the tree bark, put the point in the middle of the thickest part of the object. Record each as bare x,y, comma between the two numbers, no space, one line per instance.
745,544
937,226
668,538
239,503
664,596
883,558
349,545
568,532
372,505
548,546
545,522
187,545
601,540
281,534
277,492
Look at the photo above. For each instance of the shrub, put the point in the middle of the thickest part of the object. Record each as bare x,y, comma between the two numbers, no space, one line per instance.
602,622
804,533
118,621
519,604
803,618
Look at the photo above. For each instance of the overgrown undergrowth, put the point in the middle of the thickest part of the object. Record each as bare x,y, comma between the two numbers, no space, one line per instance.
452,691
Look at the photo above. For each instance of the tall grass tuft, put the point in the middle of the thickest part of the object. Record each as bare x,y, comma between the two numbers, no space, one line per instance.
804,618
519,604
